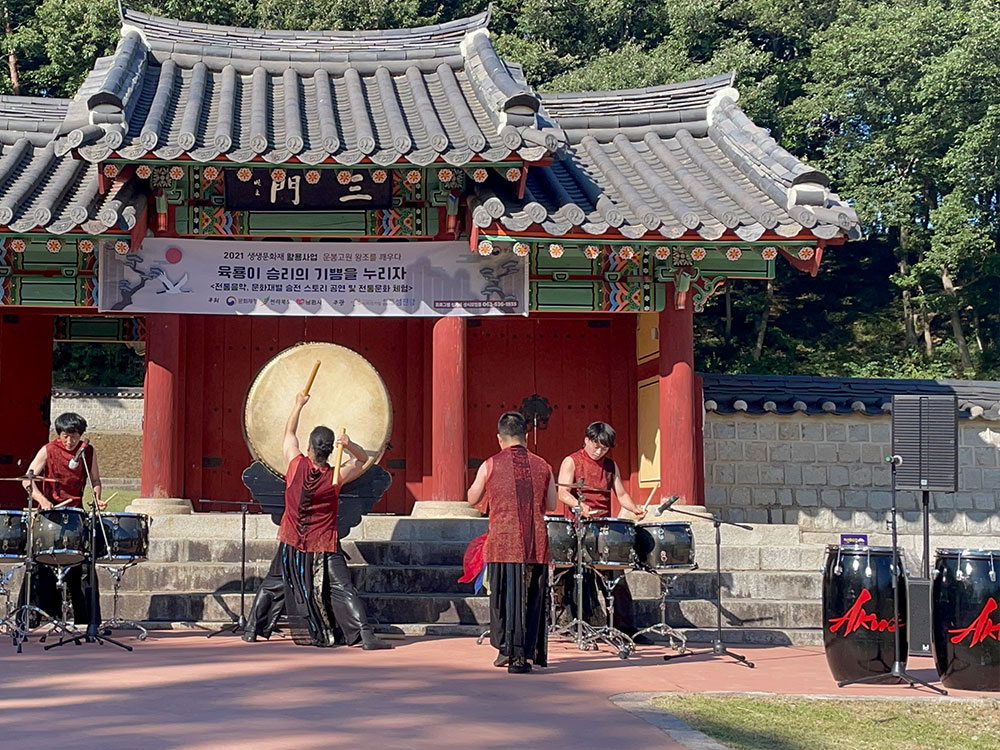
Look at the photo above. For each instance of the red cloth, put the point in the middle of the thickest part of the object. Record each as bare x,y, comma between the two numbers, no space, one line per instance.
71,482
311,501
593,474
516,485
473,562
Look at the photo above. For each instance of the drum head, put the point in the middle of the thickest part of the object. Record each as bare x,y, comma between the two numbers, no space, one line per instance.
347,393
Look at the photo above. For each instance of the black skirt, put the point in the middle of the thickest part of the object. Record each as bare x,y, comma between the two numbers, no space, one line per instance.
518,607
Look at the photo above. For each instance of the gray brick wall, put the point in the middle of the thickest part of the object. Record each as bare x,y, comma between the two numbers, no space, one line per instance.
828,473
120,416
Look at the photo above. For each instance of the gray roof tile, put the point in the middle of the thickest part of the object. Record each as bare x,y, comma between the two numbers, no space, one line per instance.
437,93
698,165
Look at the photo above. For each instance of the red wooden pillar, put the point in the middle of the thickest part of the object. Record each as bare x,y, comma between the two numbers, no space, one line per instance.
679,434
449,424
162,463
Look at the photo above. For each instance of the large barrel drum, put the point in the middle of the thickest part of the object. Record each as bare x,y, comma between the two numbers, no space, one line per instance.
858,619
965,617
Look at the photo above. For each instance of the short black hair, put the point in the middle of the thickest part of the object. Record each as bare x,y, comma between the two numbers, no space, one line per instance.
70,422
511,425
321,442
601,432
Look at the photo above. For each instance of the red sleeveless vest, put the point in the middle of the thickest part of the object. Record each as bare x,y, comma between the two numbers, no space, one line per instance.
516,486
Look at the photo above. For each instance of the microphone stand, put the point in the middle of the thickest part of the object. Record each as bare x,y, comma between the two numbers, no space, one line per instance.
239,624
93,633
718,647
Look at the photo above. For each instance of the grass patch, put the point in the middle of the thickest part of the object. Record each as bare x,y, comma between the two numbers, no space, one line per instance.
745,723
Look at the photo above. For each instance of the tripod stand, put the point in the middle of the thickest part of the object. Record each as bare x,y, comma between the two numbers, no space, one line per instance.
239,624
718,647
93,634
116,622
661,627
898,667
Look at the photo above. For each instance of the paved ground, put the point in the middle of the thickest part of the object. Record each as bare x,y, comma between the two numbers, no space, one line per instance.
182,691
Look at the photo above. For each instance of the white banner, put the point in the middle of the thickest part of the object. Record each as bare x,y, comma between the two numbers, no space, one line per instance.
226,277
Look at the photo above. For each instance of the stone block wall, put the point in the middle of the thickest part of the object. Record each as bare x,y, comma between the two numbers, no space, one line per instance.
828,473
115,412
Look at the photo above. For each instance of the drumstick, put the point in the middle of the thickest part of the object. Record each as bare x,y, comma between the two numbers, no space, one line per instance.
312,377
338,454
651,493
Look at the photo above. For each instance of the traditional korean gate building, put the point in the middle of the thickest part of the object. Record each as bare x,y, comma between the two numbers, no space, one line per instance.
630,209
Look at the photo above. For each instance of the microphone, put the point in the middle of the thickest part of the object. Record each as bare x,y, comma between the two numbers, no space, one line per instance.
897,460
666,505
75,461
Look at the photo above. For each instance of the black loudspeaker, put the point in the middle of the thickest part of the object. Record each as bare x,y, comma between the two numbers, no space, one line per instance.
919,626
925,437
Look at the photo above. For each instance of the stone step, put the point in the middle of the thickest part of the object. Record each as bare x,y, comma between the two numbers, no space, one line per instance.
701,584
225,577
437,552
202,526
466,610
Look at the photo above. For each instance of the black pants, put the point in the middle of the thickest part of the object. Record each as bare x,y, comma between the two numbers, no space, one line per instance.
322,605
268,604
46,594
594,607
518,607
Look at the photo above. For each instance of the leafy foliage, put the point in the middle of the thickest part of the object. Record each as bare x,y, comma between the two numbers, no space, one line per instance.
897,100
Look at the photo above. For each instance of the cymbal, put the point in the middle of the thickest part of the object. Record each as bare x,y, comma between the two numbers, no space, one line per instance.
583,488
25,477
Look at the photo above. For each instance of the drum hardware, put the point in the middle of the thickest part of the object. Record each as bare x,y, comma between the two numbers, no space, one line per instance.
609,633
718,647
93,632
23,615
661,628
239,623
116,622
898,667
8,627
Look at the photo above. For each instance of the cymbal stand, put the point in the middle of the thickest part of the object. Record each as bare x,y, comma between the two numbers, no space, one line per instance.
22,616
609,633
578,629
661,628
116,622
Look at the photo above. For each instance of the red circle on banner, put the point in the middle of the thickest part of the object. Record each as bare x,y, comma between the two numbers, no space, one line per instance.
173,255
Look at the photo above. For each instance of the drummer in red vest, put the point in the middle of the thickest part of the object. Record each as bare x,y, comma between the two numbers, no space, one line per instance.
68,459
516,487
591,467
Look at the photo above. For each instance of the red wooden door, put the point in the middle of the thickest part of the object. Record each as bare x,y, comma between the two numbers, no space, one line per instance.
583,367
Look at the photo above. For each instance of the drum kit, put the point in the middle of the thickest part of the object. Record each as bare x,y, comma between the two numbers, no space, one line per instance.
863,591
611,547
62,538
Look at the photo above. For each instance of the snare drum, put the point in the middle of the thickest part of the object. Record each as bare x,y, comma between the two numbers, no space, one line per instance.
609,543
562,540
965,620
59,536
125,538
858,615
663,545
13,535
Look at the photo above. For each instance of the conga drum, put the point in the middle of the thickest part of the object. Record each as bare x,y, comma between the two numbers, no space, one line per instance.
965,618
858,619
347,393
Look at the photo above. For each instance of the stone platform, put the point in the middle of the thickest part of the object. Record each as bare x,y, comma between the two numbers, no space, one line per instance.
407,569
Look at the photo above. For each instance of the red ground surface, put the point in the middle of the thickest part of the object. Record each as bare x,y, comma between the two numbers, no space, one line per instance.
183,691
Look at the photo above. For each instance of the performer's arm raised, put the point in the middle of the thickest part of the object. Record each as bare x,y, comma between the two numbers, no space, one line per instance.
290,443
351,470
